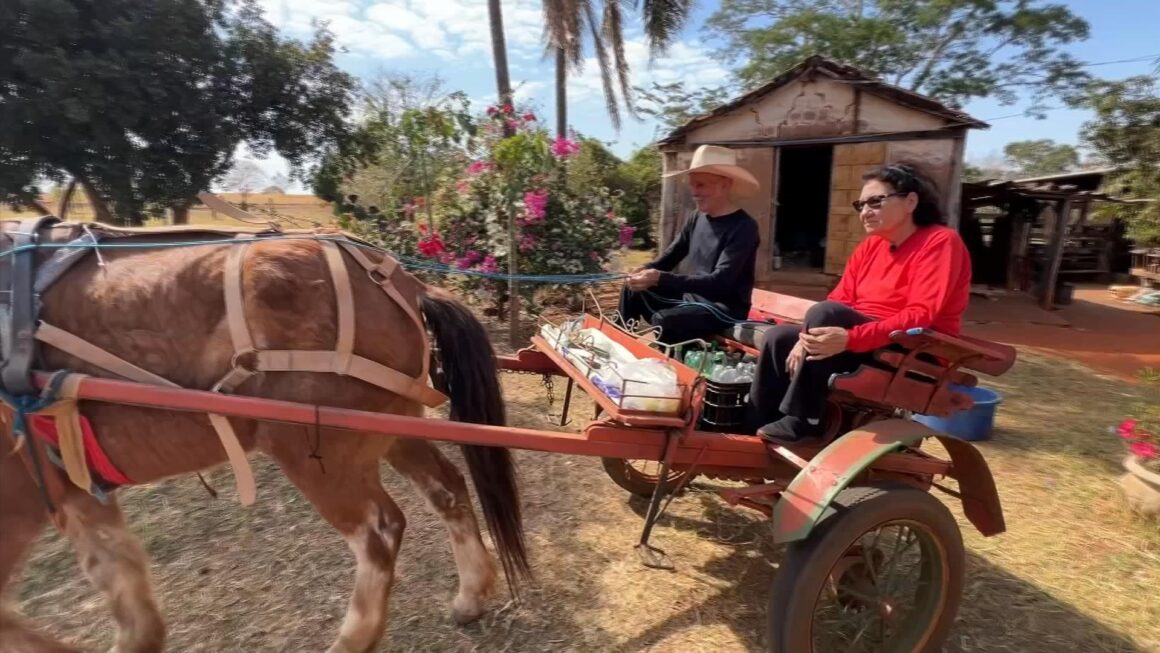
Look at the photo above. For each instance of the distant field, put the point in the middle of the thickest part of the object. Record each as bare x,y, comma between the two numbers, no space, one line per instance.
294,211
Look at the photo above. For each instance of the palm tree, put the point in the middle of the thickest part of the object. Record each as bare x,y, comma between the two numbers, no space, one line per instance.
504,88
565,22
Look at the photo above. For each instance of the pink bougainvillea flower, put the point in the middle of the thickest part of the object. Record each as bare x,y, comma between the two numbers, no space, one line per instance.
491,111
477,167
1127,429
527,243
626,233
536,204
489,265
562,148
529,117
1145,450
507,108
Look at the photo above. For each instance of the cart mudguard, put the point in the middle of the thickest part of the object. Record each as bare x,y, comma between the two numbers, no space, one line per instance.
805,500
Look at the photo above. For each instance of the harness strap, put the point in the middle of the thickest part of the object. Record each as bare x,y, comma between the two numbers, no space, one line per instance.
69,432
240,335
344,300
20,349
235,306
381,273
360,368
92,354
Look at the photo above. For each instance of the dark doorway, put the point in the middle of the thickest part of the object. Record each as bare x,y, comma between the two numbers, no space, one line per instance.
803,206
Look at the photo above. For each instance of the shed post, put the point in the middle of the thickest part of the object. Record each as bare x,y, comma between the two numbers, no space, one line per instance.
1055,254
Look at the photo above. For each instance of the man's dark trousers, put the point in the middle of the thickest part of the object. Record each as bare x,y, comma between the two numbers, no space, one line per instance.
678,323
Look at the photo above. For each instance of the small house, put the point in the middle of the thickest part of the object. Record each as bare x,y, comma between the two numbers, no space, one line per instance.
808,136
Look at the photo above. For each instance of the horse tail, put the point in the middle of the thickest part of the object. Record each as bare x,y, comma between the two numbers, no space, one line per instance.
471,381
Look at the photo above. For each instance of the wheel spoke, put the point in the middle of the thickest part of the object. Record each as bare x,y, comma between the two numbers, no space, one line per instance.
868,557
890,577
861,632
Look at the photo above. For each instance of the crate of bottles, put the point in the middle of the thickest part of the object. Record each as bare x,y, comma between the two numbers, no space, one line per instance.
728,378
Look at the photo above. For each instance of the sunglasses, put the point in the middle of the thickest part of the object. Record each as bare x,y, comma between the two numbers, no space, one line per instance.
874,202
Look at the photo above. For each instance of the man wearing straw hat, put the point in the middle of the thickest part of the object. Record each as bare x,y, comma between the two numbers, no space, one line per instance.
719,244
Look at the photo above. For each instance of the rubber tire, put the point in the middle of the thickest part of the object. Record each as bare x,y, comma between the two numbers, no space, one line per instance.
636,484
855,511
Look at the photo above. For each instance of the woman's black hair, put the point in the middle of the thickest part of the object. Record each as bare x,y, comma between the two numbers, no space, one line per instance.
904,178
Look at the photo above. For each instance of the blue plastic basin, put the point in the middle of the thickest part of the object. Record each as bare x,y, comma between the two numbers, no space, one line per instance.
974,424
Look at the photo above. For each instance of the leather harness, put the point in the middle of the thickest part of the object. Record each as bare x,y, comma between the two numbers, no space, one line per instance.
20,303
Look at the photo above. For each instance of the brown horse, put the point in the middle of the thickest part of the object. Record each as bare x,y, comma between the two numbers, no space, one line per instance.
163,310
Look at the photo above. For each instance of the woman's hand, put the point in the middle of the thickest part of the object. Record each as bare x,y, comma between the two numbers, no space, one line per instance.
797,356
823,342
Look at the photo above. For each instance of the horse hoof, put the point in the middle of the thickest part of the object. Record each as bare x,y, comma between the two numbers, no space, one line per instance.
466,612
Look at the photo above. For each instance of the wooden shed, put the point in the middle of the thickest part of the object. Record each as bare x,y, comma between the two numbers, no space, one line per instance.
808,136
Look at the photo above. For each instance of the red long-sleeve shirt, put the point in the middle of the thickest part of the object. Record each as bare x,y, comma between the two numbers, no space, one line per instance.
925,283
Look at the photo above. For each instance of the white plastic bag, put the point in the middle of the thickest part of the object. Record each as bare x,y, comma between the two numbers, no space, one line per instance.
596,339
655,380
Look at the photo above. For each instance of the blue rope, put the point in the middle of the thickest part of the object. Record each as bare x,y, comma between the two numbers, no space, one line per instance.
675,303
24,405
406,262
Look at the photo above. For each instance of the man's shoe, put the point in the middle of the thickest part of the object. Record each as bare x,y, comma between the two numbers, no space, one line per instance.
790,429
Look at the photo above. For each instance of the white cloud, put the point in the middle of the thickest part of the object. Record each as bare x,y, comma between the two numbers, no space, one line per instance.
685,61
529,90
452,30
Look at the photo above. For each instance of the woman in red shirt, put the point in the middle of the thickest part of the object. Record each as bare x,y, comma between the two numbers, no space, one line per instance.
910,271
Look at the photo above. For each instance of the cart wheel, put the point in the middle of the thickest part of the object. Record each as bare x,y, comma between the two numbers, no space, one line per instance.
882,572
639,477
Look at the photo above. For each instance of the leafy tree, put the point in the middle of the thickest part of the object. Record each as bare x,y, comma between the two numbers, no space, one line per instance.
144,102
1126,133
672,105
640,179
1040,157
415,137
245,177
953,50
565,24
592,166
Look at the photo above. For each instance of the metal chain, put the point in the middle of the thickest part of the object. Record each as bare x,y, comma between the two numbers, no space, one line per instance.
549,388
546,380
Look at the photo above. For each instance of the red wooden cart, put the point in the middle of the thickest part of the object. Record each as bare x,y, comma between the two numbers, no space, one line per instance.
874,562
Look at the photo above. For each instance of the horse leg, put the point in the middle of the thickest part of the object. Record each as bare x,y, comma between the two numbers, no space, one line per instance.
22,518
350,495
117,564
445,490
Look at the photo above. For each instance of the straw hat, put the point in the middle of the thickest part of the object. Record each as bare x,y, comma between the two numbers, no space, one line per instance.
722,161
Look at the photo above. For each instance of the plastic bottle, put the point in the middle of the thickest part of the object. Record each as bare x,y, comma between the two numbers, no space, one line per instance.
693,358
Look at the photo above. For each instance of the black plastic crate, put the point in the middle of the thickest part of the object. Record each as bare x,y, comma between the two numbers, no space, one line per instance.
726,405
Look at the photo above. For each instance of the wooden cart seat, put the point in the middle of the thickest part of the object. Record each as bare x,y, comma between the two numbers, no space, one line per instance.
917,372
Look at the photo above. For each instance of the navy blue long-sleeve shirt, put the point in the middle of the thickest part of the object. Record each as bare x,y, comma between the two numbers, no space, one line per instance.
722,255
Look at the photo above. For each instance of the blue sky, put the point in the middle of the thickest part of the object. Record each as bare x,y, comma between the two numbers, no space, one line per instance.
450,38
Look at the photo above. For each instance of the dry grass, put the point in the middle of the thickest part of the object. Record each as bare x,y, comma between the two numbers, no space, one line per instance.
291,211
1074,571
